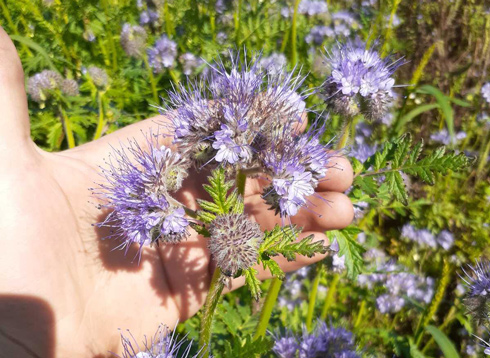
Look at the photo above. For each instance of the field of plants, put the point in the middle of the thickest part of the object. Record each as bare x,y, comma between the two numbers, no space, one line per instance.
400,87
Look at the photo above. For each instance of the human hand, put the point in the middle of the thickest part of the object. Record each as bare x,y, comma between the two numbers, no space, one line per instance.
63,292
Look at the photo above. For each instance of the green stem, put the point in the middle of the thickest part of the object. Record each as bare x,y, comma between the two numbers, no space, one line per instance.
330,295
214,294
436,301
360,314
483,156
312,298
101,122
294,53
237,23
152,79
241,179
266,311
174,76
110,37
68,131
168,19
344,136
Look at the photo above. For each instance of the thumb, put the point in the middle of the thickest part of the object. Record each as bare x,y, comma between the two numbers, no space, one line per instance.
14,116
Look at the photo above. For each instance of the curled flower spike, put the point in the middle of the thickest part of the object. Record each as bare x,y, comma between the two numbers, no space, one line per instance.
234,242
164,344
296,163
360,82
133,40
137,189
229,117
478,297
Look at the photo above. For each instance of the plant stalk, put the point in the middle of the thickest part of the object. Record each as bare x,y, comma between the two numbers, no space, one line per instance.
312,298
214,294
266,311
330,296
294,53
152,79
101,122
67,125
241,179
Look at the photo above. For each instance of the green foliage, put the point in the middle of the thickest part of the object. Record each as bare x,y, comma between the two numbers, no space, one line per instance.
447,347
399,156
222,203
349,248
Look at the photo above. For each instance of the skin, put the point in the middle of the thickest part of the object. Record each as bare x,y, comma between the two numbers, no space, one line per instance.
63,292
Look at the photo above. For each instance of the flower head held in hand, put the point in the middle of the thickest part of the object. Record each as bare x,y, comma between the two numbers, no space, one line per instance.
228,118
234,242
164,344
138,188
360,82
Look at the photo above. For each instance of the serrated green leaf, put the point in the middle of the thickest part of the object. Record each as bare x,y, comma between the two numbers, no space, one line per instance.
205,216
401,150
349,248
447,347
277,236
272,266
397,186
357,166
367,184
209,206
305,247
253,282
415,152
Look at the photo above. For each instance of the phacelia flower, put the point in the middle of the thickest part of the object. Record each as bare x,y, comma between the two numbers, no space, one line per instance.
444,137
324,341
485,92
99,76
477,299
423,237
360,81
148,17
40,85
69,87
312,7
445,239
296,164
164,344
274,64
163,54
234,242
189,63
137,189
133,40
231,116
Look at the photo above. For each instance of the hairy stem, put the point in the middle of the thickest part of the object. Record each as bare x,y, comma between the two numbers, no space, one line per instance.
330,295
101,122
294,53
312,298
67,125
214,294
266,311
241,179
152,78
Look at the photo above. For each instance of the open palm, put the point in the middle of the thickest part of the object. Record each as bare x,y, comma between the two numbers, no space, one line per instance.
63,292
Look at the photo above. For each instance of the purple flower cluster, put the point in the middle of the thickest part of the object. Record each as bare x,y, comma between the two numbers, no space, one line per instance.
163,54
325,341
149,17
274,64
41,86
133,40
164,344
477,300
485,92
189,63
360,81
444,137
137,190
424,237
312,7
247,119
342,24
398,286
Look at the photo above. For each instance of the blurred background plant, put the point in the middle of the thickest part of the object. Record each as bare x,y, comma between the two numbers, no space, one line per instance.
95,66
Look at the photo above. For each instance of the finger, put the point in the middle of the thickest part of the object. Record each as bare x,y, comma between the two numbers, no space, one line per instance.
339,175
324,211
14,118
